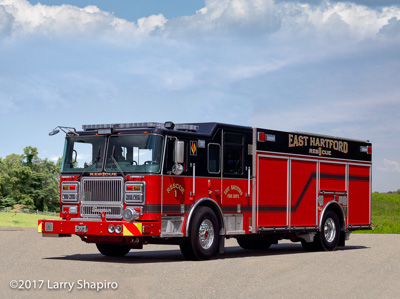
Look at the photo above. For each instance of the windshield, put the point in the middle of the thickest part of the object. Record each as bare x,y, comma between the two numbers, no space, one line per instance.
83,153
134,153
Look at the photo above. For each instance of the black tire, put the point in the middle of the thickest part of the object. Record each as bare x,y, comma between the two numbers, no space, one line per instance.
203,241
312,246
330,231
253,243
113,250
186,249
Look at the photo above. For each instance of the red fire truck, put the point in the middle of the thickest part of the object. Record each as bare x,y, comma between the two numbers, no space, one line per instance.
194,185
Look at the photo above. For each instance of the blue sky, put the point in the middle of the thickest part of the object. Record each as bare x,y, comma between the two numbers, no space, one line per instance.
326,67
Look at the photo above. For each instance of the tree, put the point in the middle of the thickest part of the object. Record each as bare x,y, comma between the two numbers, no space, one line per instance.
28,180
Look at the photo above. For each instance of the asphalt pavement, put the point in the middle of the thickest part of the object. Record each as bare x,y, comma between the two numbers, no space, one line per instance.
36,267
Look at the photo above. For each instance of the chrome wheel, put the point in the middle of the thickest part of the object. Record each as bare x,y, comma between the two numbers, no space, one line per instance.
330,230
203,240
206,234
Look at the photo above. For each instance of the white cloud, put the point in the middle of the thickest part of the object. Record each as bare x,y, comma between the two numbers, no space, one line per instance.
389,166
320,66
67,20
392,29
217,18
290,19
6,21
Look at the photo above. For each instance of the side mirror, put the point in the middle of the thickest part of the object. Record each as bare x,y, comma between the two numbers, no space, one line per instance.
179,152
179,157
54,132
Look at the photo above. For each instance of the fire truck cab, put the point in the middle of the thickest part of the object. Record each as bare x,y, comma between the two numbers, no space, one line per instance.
194,185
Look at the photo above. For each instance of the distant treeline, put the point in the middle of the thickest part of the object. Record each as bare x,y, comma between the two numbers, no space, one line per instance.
392,192
30,181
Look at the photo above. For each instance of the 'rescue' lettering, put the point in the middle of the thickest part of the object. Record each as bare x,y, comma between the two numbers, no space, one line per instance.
103,174
177,187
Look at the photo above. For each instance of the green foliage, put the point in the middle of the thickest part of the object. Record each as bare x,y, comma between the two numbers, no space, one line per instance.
29,180
22,220
385,213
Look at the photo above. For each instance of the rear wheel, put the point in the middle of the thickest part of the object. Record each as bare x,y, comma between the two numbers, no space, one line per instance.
329,236
113,249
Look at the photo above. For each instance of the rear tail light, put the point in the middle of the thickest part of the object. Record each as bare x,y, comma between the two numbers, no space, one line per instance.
366,149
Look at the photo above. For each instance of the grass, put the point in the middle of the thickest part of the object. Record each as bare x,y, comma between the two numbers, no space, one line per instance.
385,213
22,220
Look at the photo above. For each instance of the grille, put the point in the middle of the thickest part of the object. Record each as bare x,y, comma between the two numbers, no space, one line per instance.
95,210
102,195
102,190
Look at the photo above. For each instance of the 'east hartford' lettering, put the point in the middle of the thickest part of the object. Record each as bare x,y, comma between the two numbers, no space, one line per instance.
300,140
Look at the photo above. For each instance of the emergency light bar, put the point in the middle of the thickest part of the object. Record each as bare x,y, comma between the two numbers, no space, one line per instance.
122,126
168,125
192,128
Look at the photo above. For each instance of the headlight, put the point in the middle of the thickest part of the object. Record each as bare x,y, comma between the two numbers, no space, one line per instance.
118,229
70,191
73,210
130,214
111,228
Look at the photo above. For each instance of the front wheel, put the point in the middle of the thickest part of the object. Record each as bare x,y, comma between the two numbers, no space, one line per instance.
203,241
113,250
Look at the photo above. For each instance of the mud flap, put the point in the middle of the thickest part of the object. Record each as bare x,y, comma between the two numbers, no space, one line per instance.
221,244
342,238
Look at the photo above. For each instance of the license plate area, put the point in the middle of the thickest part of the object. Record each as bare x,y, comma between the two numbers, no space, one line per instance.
81,228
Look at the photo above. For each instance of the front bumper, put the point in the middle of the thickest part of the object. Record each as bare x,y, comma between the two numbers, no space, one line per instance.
88,227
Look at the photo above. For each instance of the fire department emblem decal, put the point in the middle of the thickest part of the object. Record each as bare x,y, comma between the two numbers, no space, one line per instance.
193,148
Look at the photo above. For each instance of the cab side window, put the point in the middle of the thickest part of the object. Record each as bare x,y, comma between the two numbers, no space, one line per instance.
233,153
213,157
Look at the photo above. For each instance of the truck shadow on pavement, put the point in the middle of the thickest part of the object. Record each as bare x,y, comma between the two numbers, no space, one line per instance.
174,255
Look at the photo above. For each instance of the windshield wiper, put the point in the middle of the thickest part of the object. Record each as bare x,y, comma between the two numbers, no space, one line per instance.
95,160
116,163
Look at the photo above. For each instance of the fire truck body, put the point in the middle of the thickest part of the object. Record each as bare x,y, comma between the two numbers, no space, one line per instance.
197,184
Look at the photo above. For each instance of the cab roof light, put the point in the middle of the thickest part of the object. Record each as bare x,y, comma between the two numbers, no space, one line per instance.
168,125
107,131
182,127
122,126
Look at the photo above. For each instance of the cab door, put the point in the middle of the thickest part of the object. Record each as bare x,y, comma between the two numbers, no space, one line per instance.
176,188
235,198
